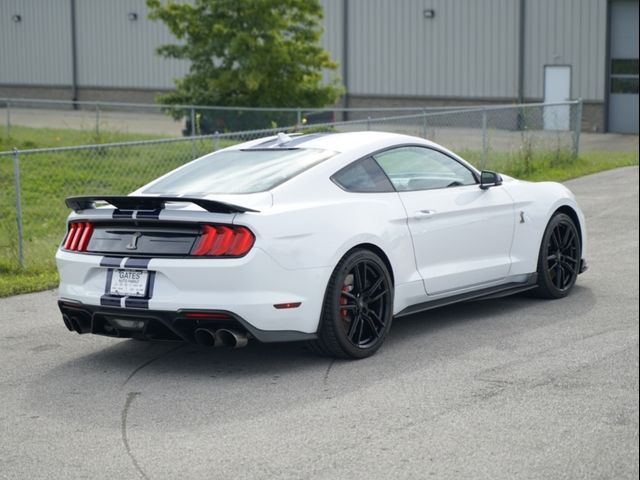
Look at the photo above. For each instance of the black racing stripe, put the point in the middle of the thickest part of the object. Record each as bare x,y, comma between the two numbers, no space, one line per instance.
135,302
149,214
268,143
293,143
152,282
137,263
117,213
110,261
303,138
142,302
107,285
110,300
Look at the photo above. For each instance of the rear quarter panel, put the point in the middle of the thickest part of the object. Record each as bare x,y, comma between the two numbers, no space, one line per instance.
315,224
317,229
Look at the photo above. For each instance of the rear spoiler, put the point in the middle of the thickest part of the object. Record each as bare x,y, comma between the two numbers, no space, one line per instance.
151,203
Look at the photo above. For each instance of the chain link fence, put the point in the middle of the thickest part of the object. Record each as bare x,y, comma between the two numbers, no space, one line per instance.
34,183
503,138
102,118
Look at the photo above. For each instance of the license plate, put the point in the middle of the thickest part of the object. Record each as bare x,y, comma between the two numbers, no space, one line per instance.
131,283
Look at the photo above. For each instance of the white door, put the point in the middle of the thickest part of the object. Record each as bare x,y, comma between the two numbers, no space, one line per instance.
461,234
557,88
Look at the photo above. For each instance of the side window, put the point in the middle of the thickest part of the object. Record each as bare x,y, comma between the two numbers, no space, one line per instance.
420,168
363,176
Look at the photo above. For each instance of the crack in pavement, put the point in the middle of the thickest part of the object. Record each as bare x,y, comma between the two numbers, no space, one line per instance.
127,405
123,430
149,362
325,380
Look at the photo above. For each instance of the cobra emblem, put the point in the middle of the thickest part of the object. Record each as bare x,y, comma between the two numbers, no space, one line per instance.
133,245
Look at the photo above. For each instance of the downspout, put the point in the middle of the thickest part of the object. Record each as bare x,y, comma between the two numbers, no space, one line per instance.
345,56
74,56
521,51
607,71
520,121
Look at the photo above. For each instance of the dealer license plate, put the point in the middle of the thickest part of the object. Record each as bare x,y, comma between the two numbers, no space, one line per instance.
131,283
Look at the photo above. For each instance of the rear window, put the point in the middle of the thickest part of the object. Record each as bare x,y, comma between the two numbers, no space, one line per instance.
239,171
363,176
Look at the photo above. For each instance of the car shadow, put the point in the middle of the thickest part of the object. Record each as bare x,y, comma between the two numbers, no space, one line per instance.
284,375
487,320
484,320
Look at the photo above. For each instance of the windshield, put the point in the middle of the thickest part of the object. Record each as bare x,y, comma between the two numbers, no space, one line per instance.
238,171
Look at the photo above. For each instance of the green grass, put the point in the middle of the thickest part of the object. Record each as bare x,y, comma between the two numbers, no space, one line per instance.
24,138
48,178
556,166
14,282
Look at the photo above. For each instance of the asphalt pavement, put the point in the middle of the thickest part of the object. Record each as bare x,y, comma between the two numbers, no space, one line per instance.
500,389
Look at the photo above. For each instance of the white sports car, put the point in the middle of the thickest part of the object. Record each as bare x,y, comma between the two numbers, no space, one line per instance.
323,238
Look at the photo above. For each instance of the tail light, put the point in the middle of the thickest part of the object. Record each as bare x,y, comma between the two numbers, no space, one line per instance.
78,236
223,241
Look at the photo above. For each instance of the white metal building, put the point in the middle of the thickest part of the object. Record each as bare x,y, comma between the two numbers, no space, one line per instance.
391,53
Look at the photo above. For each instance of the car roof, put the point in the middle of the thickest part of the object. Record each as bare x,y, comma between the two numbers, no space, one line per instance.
338,142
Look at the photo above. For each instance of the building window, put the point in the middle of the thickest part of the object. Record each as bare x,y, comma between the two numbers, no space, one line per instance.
624,75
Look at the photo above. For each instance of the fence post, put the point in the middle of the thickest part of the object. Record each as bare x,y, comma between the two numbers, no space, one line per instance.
16,178
298,117
484,139
577,128
369,122
97,119
8,119
216,141
193,133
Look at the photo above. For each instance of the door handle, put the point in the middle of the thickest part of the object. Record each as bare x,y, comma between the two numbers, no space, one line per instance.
424,214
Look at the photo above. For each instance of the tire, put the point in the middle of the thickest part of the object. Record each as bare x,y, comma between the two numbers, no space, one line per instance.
358,307
559,258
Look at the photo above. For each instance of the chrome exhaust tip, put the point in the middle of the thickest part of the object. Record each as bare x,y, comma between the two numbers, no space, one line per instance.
67,323
74,324
231,338
206,337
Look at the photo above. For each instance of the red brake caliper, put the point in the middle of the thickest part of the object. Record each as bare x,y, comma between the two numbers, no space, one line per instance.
346,287
343,301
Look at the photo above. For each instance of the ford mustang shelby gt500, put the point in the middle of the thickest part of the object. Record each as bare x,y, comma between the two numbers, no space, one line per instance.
321,237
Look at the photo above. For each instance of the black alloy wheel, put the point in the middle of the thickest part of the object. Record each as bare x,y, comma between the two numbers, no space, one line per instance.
559,258
358,307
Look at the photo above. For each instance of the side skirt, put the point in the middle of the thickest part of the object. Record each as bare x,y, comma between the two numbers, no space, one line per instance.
483,294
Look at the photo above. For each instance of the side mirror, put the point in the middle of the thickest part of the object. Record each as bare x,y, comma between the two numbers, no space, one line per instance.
489,179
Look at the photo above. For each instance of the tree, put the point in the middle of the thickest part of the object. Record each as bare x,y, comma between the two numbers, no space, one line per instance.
247,53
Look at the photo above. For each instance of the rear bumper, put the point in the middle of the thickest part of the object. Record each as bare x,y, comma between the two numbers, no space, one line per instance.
162,325
246,287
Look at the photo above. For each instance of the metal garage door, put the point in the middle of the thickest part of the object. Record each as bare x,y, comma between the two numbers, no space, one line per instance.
623,68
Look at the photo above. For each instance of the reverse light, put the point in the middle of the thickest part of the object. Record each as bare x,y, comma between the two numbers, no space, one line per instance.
223,241
78,236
